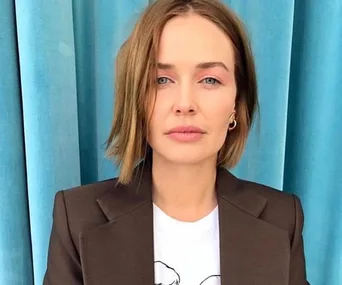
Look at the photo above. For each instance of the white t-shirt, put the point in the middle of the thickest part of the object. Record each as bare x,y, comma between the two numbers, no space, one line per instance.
186,253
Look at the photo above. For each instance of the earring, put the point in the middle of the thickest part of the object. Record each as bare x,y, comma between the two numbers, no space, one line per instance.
232,124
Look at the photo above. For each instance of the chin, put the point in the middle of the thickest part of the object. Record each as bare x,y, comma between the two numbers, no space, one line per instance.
184,157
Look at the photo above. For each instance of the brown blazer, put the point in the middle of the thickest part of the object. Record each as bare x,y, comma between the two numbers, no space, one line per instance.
102,234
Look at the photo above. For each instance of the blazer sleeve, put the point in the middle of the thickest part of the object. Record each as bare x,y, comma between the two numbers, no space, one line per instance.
297,261
63,265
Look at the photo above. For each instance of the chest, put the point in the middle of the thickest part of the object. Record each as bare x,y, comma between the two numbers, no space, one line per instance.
186,253
126,250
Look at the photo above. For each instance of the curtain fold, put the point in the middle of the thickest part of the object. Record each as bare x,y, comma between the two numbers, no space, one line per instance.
15,241
313,165
49,100
271,38
56,103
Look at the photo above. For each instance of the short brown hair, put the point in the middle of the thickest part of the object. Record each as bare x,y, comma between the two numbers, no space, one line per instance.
135,79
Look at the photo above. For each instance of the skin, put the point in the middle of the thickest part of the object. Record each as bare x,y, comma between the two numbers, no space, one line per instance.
184,173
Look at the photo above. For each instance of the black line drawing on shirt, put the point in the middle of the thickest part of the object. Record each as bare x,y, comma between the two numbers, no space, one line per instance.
212,280
170,276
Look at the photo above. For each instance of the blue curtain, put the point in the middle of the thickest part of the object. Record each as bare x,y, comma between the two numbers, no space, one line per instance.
56,86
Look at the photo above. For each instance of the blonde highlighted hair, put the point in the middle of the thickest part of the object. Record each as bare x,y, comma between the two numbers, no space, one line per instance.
135,79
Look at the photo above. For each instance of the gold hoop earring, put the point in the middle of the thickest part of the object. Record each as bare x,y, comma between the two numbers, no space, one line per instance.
232,127
232,124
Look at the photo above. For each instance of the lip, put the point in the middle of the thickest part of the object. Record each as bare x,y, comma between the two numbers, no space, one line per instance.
185,133
185,129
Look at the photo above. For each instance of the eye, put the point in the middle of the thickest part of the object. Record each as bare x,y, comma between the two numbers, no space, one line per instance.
162,80
211,81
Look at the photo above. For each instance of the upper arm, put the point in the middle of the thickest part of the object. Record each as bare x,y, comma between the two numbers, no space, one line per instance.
297,263
63,266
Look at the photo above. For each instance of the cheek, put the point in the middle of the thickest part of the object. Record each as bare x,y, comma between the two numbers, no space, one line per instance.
158,116
219,111
220,123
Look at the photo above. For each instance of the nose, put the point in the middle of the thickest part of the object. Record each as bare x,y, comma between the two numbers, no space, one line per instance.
185,103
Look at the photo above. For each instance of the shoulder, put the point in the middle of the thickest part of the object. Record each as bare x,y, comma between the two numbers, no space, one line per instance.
282,209
86,195
78,206
275,197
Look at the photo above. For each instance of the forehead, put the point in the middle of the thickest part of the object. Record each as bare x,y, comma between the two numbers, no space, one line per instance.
193,39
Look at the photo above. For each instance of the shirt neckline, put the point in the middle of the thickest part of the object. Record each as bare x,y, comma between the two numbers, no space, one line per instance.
166,222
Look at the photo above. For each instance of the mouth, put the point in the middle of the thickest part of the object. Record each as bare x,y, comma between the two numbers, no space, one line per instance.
186,130
186,134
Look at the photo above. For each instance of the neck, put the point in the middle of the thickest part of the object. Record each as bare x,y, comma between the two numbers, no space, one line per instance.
185,192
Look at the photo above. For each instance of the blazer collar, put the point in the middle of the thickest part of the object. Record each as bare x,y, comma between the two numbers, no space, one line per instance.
126,198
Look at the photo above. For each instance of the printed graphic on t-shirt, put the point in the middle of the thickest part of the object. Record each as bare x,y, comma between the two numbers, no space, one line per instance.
166,275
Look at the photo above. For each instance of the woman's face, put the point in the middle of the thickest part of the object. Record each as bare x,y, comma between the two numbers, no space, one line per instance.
196,91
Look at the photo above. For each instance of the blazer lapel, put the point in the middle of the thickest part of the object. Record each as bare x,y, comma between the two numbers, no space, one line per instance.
252,250
121,251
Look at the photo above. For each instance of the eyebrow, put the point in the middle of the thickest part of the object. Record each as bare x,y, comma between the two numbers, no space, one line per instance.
201,65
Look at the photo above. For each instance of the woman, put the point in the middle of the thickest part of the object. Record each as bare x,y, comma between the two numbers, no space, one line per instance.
186,96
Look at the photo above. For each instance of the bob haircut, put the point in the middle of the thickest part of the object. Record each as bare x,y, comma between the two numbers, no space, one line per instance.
135,83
